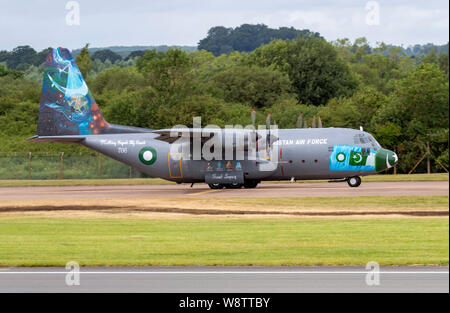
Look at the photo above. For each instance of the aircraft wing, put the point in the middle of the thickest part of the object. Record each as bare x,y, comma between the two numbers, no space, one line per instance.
170,136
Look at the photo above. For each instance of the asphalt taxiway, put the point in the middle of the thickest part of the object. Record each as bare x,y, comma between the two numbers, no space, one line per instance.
420,188
227,279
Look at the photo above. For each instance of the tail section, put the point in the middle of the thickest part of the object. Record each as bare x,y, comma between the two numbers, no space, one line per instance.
67,106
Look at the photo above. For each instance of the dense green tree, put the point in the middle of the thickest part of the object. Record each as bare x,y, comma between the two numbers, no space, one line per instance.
21,57
84,61
443,63
313,66
4,56
135,54
13,73
431,57
205,66
419,107
381,71
253,85
106,54
355,111
286,111
247,37
169,86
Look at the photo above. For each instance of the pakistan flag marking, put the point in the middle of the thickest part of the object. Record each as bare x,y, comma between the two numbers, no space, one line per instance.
357,159
147,155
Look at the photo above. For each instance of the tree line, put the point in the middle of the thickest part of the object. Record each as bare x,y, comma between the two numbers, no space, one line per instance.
402,100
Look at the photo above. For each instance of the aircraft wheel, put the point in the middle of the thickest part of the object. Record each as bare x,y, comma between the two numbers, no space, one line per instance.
354,181
233,186
215,186
251,183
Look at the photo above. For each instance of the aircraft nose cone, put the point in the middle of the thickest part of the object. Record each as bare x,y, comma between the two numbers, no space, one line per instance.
385,159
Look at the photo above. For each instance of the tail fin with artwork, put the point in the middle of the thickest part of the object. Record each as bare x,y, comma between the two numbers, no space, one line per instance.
68,111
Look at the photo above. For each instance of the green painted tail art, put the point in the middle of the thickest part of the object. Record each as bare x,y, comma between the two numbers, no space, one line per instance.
385,159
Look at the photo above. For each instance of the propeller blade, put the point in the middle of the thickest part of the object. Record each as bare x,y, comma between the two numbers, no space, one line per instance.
305,124
268,131
253,117
268,121
300,121
319,124
314,122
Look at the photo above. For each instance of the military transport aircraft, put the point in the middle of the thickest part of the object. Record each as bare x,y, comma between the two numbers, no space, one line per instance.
230,158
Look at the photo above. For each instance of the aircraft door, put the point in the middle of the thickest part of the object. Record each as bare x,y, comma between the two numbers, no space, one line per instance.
174,163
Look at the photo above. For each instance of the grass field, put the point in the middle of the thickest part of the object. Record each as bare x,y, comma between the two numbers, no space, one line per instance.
406,177
208,241
148,181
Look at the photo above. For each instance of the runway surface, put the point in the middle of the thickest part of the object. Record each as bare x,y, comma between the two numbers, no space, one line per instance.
226,279
423,188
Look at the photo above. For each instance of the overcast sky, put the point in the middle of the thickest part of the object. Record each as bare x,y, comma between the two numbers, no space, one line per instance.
42,23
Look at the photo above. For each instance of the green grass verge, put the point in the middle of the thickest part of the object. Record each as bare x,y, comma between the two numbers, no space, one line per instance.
201,241
337,203
406,177
150,181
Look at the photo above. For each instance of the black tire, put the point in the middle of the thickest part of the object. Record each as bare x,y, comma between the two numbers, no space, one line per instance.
251,183
234,186
354,181
215,186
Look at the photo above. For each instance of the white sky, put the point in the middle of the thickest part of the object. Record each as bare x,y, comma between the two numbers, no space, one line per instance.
42,23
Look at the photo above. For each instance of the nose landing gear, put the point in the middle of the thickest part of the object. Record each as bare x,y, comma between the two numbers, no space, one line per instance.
354,181
251,183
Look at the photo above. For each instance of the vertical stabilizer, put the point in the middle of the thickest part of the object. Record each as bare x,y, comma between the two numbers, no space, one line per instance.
67,106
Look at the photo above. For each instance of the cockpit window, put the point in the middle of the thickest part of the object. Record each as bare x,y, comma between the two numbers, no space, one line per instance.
364,139
360,139
374,143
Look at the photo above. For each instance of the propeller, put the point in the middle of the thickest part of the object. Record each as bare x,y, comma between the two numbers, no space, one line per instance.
254,133
313,122
300,121
268,131
253,117
319,122
268,121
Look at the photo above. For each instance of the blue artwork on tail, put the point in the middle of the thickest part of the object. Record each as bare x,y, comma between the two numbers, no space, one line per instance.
67,106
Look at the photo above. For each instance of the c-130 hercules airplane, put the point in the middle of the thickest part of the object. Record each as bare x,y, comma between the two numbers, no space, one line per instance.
230,158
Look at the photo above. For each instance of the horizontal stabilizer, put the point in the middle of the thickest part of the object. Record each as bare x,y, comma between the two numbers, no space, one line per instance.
58,139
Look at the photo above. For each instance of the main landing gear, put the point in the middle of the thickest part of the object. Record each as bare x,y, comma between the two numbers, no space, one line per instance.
247,184
354,181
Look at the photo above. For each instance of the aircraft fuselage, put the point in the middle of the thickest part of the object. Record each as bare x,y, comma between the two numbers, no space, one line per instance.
297,154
